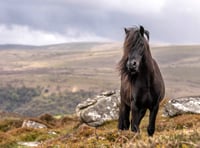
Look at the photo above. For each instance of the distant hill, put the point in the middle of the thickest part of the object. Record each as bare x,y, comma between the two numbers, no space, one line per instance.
69,46
65,74
4,114
16,46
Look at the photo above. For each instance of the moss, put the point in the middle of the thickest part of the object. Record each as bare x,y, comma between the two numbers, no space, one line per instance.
29,137
9,144
7,141
9,124
111,136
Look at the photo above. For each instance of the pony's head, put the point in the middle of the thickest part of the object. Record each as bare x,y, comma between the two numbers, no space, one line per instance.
135,45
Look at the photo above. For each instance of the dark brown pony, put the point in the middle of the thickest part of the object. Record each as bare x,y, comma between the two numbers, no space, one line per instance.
142,86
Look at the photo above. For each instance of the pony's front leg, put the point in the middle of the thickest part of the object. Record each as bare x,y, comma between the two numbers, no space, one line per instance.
152,120
137,115
124,113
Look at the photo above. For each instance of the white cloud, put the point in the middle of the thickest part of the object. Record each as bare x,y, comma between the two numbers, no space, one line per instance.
191,6
49,22
23,35
16,34
137,6
127,6
74,35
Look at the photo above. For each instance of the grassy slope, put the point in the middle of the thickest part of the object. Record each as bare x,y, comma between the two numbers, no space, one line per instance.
181,131
180,66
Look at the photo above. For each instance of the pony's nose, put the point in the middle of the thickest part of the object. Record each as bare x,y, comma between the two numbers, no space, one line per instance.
131,65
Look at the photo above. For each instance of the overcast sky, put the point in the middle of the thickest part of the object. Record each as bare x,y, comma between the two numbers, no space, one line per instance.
41,22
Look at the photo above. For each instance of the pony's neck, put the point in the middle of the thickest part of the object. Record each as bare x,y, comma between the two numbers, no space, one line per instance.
147,62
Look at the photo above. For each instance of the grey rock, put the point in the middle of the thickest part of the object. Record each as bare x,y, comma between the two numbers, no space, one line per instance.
182,105
108,93
102,108
29,144
33,124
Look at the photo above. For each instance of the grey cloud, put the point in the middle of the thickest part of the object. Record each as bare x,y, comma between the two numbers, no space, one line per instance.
172,24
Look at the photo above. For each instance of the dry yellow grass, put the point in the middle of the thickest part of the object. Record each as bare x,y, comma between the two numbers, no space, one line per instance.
180,131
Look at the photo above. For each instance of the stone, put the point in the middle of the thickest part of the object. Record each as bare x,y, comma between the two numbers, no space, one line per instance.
104,107
182,105
29,144
33,124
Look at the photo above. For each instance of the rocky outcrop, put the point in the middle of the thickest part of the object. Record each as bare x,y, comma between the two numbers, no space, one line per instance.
33,124
105,107
182,105
102,108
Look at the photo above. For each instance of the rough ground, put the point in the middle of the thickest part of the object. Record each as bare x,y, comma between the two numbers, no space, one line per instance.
180,131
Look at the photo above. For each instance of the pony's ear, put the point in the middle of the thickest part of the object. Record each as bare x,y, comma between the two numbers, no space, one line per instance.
126,30
142,30
146,32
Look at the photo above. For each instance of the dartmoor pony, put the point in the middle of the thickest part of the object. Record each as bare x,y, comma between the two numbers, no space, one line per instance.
142,86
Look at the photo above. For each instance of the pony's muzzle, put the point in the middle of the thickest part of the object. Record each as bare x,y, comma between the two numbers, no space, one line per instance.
132,66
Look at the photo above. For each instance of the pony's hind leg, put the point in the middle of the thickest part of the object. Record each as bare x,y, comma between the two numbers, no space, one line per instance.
152,120
124,123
